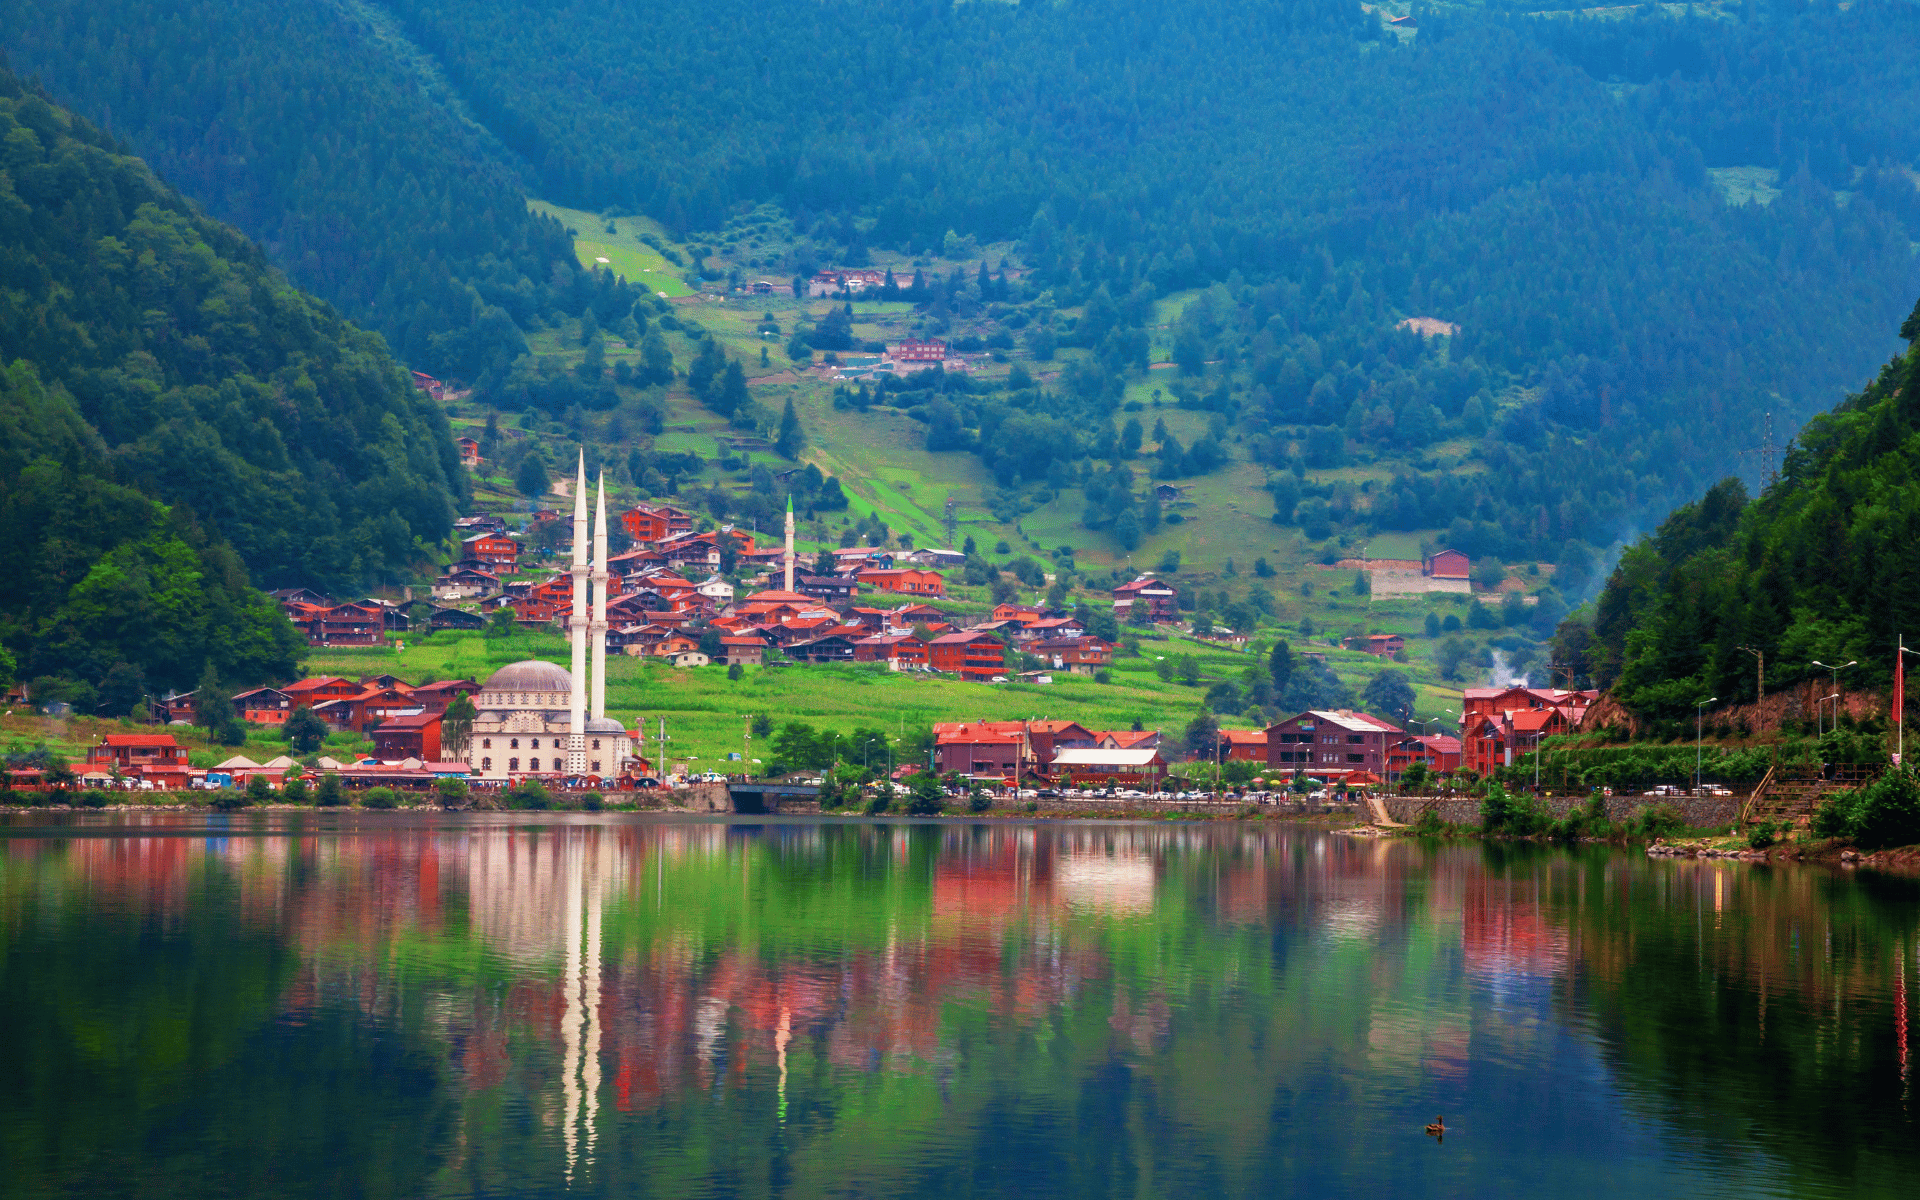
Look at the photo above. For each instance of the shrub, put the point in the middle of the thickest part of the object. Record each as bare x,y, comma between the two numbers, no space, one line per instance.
529,793
451,791
1761,835
1502,811
1885,812
979,800
228,800
380,797
924,798
594,802
259,791
294,790
1032,806
881,801
1431,824
1659,821
93,798
329,794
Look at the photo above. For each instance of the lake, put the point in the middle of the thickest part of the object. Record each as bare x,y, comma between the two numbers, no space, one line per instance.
348,1004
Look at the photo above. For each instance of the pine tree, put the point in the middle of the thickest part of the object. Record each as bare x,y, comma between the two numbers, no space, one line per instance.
733,396
792,439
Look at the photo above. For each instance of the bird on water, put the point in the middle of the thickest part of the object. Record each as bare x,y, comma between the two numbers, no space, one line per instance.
1439,1127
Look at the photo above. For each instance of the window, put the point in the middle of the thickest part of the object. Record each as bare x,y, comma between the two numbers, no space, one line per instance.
1356,739
513,764
535,743
596,766
596,743
1356,758
486,764
486,743
533,764
514,744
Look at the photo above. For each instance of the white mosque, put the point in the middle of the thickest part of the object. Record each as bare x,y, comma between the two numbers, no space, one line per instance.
533,716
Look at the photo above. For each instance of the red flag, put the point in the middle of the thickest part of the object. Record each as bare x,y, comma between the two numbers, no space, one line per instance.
1899,689
1899,683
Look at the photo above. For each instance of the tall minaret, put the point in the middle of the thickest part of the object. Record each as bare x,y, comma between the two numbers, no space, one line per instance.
577,629
598,628
789,541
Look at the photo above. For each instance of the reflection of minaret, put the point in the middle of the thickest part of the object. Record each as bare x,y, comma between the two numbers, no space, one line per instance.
580,988
789,582
599,625
577,627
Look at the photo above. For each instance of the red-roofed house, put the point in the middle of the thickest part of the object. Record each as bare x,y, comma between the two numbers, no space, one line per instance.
1440,752
1339,738
1446,564
905,581
1162,602
1244,745
976,749
493,549
414,736
975,657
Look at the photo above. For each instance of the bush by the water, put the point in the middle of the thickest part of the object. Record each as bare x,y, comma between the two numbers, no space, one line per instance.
380,797
529,793
1885,812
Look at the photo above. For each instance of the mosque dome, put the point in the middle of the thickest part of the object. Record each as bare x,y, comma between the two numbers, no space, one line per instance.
605,725
533,675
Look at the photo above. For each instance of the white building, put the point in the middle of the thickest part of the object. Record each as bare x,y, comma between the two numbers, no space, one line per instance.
538,718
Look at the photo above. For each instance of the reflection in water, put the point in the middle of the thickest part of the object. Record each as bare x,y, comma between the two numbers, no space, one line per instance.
460,1007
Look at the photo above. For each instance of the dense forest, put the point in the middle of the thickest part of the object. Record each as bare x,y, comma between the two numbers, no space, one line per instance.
1820,567
179,424
1547,185
310,128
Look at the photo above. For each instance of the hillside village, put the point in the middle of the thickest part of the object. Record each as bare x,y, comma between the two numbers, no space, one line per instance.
857,605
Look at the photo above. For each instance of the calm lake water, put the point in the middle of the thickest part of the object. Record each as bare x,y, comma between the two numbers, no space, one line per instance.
393,1005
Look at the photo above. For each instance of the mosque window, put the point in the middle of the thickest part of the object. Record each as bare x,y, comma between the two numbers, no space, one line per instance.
533,764
514,744
486,764
596,743
486,743
513,764
535,743
596,766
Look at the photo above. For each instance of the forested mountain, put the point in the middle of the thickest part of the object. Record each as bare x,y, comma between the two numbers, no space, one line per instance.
1822,566
180,420
1554,186
310,127
1545,184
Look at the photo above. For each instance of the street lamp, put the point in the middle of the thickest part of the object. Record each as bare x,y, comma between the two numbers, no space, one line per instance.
1818,705
1698,709
1836,688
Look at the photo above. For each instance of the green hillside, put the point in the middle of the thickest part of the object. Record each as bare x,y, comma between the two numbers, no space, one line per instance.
180,425
1819,567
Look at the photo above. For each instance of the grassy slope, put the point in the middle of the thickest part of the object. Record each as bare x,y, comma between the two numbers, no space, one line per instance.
706,714
881,460
625,253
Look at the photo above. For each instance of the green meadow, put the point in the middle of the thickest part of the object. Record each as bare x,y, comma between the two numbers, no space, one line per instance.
707,715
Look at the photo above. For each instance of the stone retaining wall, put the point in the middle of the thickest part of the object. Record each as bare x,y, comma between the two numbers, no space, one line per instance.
1698,811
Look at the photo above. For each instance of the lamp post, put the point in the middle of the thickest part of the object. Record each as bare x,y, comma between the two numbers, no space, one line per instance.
1818,704
1836,688
1698,710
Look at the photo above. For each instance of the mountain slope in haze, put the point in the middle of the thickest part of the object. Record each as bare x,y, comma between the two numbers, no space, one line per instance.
180,422
1820,567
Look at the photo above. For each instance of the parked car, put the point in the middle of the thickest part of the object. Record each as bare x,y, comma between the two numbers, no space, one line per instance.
646,781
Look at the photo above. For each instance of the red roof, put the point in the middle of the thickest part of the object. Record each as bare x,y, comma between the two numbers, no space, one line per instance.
140,739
